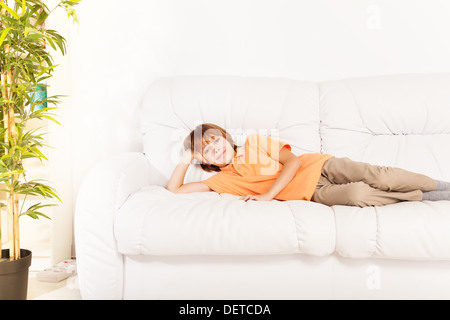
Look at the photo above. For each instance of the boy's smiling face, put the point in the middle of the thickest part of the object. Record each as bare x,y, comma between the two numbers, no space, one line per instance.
218,151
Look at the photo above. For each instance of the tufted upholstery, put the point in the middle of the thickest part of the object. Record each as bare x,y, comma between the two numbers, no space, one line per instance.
400,120
172,107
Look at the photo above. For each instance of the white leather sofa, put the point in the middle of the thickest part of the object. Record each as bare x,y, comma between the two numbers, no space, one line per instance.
137,240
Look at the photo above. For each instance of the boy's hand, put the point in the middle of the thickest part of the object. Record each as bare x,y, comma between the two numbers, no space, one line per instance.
187,157
199,158
257,197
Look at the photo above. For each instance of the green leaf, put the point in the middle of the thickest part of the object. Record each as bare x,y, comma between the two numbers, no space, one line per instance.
24,6
35,36
47,70
49,118
33,213
41,155
51,42
3,35
11,173
4,101
11,11
42,17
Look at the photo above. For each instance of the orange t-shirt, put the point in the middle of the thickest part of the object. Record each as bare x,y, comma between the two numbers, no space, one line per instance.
256,167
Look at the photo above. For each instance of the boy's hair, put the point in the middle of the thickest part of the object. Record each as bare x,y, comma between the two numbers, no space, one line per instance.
201,136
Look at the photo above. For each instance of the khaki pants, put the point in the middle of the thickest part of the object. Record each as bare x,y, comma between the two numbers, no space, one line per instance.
346,182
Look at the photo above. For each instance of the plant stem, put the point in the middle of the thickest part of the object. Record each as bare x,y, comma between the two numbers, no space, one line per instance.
4,120
0,233
16,227
10,134
12,251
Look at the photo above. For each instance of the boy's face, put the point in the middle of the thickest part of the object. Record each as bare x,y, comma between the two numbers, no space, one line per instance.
218,152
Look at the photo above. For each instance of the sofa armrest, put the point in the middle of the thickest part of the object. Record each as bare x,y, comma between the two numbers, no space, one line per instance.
102,192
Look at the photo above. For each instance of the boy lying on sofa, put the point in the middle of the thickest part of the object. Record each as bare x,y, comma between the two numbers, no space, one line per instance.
265,169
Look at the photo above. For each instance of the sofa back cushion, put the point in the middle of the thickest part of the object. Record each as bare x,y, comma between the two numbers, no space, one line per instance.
275,107
396,120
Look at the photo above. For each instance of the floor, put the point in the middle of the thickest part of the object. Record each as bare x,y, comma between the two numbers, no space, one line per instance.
64,290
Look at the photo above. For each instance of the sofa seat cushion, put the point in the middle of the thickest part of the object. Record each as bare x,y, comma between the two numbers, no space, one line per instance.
155,221
406,230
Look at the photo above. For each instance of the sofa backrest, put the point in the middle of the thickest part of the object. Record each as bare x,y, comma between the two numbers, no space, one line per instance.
395,120
281,108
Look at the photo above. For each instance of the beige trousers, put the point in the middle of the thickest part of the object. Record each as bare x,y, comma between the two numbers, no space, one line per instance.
347,182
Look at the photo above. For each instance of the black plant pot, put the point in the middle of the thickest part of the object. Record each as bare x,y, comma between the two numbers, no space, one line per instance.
14,276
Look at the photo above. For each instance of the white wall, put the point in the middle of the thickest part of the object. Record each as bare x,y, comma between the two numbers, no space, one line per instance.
60,137
121,46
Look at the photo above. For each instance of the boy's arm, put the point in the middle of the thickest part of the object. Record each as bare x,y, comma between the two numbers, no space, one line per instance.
177,178
175,183
291,164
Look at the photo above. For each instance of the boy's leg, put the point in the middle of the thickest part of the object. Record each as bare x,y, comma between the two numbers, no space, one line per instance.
359,194
344,170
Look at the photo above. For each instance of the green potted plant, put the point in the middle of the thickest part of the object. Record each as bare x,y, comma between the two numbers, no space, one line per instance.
25,63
